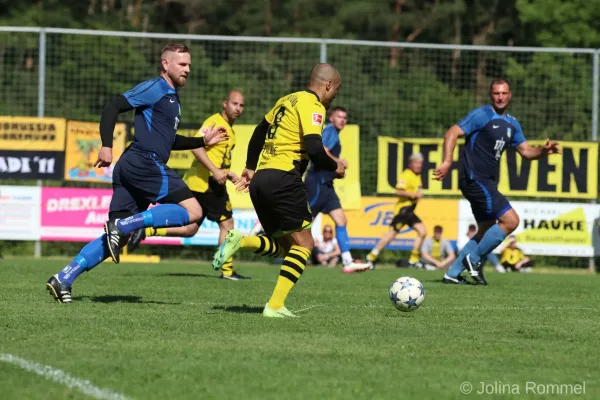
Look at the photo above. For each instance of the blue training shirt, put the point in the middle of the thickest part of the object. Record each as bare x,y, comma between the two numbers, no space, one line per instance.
157,115
331,140
487,134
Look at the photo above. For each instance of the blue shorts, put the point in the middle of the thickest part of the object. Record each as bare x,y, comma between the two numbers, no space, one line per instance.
140,180
321,196
487,203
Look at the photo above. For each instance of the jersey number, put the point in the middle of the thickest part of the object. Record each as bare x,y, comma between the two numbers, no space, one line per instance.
499,147
273,128
176,122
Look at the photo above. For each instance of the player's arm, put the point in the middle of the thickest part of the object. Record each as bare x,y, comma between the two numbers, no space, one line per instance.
255,147
211,136
108,120
450,257
410,195
426,252
336,250
313,144
530,152
450,139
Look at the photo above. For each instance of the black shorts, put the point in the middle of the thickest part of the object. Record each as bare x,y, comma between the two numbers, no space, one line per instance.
406,216
487,203
215,202
280,201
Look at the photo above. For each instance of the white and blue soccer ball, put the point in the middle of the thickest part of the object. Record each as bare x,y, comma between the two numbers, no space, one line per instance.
407,294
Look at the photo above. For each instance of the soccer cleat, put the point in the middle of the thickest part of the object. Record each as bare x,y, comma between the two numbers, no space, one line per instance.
475,270
459,280
371,265
135,239
227,249
234,277
115,238
355,267
60,292
280,313
499,268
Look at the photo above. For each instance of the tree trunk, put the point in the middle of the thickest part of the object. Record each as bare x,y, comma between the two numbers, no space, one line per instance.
456,52
395,51
268,17
480,77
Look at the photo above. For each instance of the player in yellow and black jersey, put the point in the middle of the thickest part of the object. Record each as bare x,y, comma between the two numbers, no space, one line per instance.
207,177
279,151
408,190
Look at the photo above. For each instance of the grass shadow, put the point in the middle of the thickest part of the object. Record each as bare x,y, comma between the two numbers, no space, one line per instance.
120,299
189,275
243,309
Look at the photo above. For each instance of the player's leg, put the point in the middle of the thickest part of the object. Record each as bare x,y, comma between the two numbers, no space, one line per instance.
453,274
493,259
381,244
421,230
227,270
59,285
335,211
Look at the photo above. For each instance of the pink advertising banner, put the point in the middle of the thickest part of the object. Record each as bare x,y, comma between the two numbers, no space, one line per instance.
78,215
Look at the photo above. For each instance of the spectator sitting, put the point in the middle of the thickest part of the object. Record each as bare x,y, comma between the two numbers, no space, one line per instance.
437,253
327,251
493,258
513,259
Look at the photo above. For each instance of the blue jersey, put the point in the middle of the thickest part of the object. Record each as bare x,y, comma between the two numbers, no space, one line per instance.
331,140
157,115
487,135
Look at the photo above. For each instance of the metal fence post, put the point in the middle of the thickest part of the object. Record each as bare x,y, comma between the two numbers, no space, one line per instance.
37,251
323,58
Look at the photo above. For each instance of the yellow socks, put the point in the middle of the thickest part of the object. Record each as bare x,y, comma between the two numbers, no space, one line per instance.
262,245
372,256
291,270
414,256
150,231
227,268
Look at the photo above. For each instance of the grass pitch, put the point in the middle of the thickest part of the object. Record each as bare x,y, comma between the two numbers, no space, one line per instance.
174,331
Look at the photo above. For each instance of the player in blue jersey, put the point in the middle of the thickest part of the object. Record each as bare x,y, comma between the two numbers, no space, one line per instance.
321,194
488,131
141,176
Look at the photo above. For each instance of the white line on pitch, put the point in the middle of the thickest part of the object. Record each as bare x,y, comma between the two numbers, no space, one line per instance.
63,378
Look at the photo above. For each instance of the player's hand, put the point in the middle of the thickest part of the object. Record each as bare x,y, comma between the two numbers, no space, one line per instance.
345,162
220,175
551,147
340,172
104,158
233,177
418,195
214,135
440,173
245,179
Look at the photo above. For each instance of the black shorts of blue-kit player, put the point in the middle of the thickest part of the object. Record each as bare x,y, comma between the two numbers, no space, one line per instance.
406,216
140,180
487,203
322,197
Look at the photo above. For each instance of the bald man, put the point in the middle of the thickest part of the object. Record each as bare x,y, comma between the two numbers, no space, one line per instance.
207,178
279,150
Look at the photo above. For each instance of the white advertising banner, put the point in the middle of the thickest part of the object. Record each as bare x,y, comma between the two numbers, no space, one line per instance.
20,212
557,229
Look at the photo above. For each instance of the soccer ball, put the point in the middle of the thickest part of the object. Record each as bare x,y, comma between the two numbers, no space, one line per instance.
407,294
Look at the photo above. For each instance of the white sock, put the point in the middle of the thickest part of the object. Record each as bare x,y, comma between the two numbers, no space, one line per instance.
347,258
375,251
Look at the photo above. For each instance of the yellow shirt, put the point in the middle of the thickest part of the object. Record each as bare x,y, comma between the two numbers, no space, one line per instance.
293,117
410,182
196,177
511,256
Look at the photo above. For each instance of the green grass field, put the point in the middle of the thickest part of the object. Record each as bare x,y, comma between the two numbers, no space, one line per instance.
174,331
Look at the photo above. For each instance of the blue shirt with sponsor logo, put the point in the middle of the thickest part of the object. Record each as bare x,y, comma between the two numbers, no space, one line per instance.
331,140
487,136
157,115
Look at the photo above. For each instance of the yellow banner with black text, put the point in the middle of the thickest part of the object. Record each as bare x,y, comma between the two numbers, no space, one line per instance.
572,175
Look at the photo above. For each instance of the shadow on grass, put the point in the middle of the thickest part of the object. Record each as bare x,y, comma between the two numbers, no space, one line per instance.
120,299
243,309
190,275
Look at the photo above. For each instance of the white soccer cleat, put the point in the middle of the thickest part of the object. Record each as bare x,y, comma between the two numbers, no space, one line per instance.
355,267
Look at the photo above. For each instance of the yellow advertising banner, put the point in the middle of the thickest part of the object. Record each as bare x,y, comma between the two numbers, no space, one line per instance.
572,175
367,224
31,134
348,189
83,145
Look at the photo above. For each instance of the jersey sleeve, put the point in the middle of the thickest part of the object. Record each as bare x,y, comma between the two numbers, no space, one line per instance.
402,183
145,94
311,116
330,137
208,122
270,116
517,137
473,121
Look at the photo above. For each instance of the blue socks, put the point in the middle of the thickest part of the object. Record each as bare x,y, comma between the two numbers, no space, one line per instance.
490,240
90,255
341,234
161,216
457,267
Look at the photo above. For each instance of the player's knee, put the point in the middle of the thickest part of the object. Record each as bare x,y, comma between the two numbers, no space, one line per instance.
195,213
341,220
190,230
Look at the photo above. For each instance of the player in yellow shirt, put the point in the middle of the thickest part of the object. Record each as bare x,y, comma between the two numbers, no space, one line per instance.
285,140
207,177
408,190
